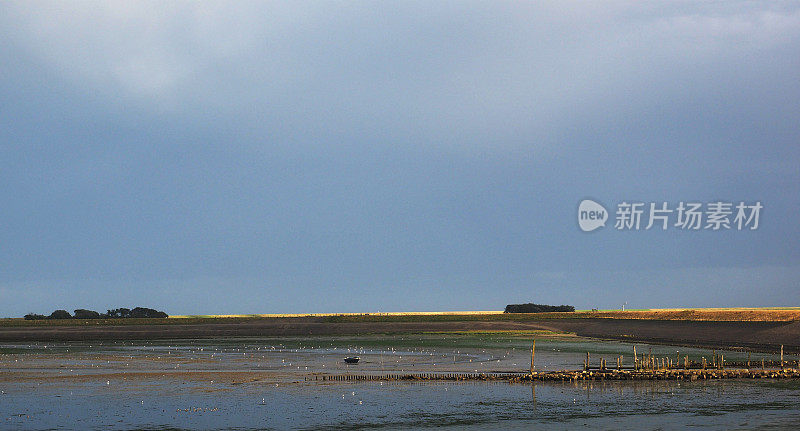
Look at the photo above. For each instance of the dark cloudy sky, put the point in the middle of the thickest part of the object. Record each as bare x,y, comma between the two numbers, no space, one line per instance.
253,157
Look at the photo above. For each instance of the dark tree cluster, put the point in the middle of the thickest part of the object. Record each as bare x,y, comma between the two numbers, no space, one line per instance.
537,308
86,314
141,312
117,313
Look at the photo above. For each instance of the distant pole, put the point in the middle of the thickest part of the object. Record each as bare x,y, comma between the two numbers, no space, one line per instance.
533,353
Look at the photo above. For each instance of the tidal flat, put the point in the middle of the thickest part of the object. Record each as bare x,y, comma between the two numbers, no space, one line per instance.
261,383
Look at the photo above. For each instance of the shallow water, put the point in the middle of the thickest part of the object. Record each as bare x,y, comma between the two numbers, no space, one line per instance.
258,384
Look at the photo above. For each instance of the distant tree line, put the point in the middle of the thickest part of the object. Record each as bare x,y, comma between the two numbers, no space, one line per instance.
537,308
117,313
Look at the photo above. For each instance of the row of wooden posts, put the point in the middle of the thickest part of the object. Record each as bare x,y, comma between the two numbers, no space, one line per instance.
416,376
644,367
552,376
650,362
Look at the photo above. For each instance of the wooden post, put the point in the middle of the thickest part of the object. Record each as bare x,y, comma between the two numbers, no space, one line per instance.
781,356
748,359
762,363
635,359
721,361
714,359
533,353
686,362
587,362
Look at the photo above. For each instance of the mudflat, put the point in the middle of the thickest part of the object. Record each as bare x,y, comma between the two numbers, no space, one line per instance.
751,329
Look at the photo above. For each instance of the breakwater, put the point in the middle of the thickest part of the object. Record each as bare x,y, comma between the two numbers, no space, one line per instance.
644,367
569,375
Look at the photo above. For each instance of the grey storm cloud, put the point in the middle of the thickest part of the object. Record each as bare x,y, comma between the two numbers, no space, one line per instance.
462,73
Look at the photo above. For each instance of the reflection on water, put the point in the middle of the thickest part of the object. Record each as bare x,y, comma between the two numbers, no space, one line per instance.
258,384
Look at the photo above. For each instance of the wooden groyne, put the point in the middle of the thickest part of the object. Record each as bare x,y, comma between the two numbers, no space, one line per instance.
564,376
413,377
644,367
650,362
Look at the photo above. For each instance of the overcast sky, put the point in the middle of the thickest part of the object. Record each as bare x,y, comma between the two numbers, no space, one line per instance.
218,157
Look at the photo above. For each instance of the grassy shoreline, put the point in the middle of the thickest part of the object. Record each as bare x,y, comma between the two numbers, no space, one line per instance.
771,314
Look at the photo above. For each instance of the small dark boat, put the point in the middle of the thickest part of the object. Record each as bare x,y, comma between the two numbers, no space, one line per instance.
352,359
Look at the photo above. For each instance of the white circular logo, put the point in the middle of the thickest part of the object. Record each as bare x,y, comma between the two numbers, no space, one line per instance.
591,215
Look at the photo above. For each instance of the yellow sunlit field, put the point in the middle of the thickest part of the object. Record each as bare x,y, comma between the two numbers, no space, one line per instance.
772,314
